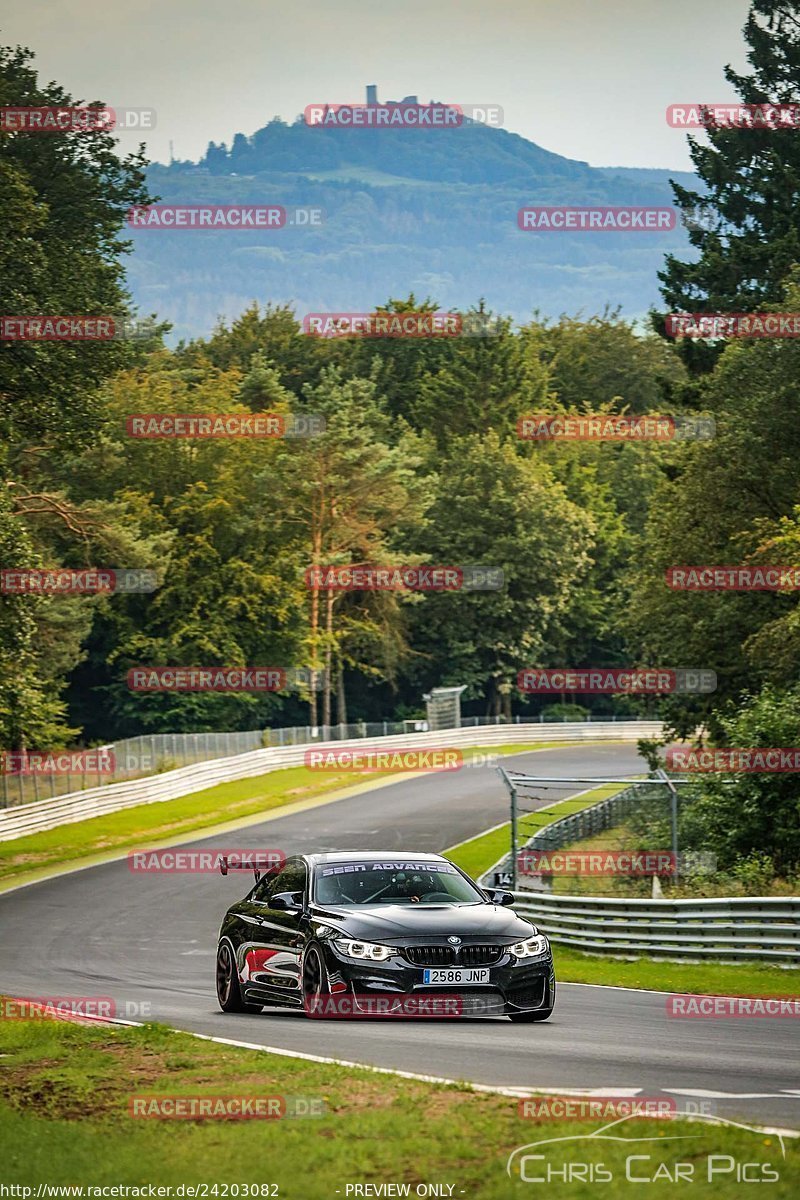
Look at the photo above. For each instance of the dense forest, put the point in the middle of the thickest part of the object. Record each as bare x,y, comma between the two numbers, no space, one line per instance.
415,459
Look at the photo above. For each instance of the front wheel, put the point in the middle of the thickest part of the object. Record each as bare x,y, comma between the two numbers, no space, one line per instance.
229,994
539,1014
315,982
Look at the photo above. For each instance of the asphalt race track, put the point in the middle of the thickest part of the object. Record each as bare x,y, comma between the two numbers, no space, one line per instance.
151,939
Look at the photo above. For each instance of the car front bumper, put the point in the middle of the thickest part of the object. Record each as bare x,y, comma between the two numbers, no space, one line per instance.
513,985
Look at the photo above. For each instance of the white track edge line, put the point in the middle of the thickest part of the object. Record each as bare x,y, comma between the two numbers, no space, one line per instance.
514,1093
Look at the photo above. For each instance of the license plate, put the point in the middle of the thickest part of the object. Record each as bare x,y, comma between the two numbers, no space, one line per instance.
456,975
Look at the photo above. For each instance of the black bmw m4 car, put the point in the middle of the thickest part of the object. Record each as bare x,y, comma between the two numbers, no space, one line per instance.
362,934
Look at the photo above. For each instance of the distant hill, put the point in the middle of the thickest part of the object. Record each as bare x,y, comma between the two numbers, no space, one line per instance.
433,212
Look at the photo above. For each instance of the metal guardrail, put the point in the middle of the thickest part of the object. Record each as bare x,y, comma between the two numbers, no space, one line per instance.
78,806
761,927
155,753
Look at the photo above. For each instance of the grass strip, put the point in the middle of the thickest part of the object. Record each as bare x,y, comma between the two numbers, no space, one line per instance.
65,1119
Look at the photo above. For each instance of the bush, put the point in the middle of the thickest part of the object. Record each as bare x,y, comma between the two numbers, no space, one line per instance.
748,820
564,712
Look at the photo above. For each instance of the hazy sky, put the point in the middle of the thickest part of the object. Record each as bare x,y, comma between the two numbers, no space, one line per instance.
589,79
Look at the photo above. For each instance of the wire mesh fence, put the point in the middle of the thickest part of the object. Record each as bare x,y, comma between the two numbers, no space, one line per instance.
636,818
130,758
153,753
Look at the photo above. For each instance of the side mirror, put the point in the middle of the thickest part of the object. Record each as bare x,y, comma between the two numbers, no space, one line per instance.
290,902
502,898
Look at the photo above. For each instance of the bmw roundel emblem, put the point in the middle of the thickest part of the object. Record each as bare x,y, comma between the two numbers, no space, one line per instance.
454,941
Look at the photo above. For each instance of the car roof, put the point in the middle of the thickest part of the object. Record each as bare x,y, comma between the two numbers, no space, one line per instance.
371,856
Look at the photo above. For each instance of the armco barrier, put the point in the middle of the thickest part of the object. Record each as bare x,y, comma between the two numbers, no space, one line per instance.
94,802
730,928
766,928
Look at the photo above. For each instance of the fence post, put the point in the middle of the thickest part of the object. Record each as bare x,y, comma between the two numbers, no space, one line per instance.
513,792
673,813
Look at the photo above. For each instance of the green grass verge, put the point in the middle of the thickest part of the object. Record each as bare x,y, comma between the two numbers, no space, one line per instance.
36,854
65,1093
663,975
572,966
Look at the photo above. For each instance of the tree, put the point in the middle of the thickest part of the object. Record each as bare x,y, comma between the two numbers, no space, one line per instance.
275,333
735,815
63,201
726,501
226,595
480,382
495,508
603,360
31,712
64,198
347,496
397,364
751,179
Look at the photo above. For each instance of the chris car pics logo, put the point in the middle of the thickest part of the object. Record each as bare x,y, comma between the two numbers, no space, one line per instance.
624,1151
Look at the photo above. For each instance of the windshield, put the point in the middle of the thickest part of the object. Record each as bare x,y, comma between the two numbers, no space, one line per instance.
393,883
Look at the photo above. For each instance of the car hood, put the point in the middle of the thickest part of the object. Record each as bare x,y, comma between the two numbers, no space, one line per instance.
409,922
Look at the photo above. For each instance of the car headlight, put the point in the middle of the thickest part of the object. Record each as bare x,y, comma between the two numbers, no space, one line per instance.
369,950
531,948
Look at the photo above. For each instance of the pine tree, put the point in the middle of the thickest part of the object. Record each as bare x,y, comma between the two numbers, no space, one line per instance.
752,177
